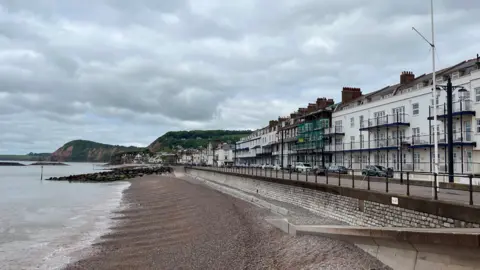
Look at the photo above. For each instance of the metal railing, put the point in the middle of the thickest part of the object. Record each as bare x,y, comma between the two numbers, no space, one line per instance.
334,130
375,179
385,120
457,106
394,142
428,139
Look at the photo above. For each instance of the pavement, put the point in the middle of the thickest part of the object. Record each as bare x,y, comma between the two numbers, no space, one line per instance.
449,195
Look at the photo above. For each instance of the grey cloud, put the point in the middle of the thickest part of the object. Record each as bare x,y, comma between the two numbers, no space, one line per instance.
124,71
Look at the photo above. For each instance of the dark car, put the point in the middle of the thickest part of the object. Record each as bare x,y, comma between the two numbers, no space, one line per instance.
388,171
374,170
338,169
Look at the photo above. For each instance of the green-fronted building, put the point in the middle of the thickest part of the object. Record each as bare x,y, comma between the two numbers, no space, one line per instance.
311,139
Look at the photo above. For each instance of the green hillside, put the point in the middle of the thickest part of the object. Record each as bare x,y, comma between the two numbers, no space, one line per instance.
27,157
195,138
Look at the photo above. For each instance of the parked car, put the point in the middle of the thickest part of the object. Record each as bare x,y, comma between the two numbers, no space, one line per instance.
319,170
388,171
267,166
289,168
277,167
302,167
372,170
338,169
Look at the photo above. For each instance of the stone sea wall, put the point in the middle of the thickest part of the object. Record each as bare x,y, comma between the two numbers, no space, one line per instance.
350,210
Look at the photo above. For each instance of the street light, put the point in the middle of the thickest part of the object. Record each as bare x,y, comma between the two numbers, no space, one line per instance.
449,88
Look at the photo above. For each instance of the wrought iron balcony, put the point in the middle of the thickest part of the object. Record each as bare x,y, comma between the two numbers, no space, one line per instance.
459,108
400,119
333,131
460,138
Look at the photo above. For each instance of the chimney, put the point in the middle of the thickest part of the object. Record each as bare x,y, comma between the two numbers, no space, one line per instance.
302,111
406,77
311,107
272,123
323,103
293,115
350,93
330,102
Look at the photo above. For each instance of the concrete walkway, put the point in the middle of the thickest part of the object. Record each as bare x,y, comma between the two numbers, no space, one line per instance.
457,196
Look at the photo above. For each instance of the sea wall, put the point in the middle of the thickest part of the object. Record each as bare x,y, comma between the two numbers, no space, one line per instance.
351,209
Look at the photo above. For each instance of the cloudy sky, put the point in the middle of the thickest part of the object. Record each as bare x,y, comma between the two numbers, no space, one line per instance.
125,72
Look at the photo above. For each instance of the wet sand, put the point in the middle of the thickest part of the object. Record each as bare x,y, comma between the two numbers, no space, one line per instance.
177,224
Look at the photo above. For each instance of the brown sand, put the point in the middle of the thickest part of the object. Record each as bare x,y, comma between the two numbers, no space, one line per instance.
175,224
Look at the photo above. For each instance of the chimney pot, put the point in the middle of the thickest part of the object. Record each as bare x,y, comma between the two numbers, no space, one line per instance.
406,77
349,94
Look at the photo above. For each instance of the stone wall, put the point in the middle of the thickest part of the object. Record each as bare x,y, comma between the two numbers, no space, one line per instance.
350,210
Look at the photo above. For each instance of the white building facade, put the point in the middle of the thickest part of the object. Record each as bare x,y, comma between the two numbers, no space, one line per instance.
259,147
393,127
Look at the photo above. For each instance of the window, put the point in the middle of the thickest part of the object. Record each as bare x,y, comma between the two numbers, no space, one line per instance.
477,94
464,95
415,109
478,125
352,122
360,120
416,134
380,118
416,157
361,141
399,114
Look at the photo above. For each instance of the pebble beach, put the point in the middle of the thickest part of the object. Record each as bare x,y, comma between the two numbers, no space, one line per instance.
171,223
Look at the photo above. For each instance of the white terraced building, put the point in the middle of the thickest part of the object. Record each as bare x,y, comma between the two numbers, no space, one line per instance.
258,147
393,126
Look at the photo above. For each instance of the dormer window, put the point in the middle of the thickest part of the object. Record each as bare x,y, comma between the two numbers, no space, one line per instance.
455,75
439,79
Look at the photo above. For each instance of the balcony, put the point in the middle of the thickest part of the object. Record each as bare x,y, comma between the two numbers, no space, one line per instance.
382,144
465,138
385,121
334,131
459,108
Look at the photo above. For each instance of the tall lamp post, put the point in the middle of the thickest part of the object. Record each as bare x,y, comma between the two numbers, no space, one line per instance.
449,88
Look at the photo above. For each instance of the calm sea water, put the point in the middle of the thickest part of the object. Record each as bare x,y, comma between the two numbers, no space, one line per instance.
43,224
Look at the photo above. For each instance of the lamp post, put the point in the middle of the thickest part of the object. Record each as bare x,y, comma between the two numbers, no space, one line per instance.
449,88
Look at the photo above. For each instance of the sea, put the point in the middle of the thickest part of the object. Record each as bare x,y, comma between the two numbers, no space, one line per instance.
48,224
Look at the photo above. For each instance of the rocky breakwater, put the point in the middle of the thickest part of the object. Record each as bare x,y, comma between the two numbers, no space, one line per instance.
113,175
11,164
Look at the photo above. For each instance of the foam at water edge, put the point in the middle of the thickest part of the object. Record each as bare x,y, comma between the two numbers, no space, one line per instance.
81,247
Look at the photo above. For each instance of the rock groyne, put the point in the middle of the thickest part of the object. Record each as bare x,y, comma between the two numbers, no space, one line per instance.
3,163
113,175
45,163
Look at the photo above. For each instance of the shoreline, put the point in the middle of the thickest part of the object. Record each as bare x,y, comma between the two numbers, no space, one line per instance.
171,223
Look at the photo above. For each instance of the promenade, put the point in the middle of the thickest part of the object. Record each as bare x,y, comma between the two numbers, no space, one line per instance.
449,195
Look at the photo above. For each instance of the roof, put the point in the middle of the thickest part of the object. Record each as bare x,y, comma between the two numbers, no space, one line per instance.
424,79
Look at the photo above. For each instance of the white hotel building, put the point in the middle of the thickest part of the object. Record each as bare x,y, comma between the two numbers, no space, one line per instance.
392,127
